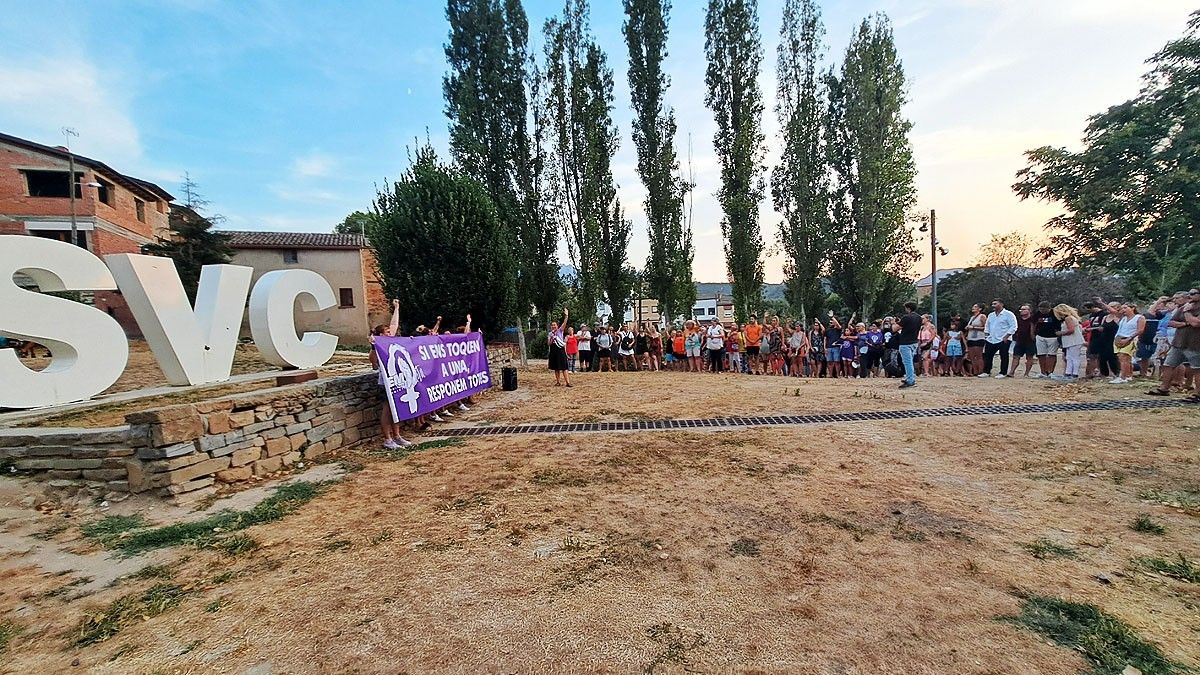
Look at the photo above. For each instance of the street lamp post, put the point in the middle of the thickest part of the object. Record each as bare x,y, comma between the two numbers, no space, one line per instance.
933,253
68,132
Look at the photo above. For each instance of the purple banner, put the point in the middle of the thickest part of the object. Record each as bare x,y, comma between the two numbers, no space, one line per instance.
424,374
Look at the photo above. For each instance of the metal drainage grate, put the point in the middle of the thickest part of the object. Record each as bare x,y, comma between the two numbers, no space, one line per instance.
790,420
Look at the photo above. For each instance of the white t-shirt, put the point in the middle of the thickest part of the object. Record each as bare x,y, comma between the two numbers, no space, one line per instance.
585,340
716,337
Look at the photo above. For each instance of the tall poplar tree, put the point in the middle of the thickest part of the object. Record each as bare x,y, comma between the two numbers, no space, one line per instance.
584,140
874,175
799,182
669,264
488,105
734,53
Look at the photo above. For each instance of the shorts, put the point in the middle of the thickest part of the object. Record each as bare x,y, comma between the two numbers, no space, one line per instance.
751,351
1127,350
833,354
1179,356
626,352
816,356
693,352
604,353
1145,351
1047,346
979,344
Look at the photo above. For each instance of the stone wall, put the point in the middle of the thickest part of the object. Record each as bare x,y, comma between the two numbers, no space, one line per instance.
183,452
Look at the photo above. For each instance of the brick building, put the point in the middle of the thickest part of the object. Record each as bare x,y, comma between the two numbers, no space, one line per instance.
344,260
114,213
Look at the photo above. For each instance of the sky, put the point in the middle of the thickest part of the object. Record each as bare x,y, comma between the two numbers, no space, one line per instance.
288,115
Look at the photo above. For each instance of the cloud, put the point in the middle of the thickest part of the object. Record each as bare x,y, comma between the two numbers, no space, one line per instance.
313,165
41,96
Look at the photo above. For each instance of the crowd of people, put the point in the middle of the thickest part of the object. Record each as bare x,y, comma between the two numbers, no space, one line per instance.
1115,341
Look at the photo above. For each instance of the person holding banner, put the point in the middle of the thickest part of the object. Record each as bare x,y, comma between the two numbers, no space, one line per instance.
558,351
389,428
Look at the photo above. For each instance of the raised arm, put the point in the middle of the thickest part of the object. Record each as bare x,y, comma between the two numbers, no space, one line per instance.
395,325
437,326
468,324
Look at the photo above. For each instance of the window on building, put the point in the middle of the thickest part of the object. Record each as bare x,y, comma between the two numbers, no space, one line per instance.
654,309
105,192
64,236
141,209
52,184
291,256
345,297
712,311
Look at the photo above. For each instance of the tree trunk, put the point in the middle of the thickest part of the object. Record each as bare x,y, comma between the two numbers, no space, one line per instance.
521,342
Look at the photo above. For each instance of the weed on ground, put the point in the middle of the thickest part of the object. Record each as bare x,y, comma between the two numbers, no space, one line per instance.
1180,499
8,631
745,546
236,544
1178,567
675,643
109,530
1107,642
153,572
1146,524
1044,549
125,610
202,532
50,532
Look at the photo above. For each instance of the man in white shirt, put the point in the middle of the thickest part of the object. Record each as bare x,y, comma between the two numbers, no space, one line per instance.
998,330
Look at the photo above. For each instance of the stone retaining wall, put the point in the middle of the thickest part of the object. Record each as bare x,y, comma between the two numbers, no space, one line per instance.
183,451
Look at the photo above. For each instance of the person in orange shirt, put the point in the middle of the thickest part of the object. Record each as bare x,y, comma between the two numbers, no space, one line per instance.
753,334
678,351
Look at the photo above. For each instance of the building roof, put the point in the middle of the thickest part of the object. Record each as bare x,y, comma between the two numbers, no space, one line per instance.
136,185
309,240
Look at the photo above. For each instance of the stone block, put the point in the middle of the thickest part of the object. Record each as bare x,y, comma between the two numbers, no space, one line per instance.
305,416
167,452
278,446
164,465
215,405
244,457
104,474
351,436
235,474
34,464
298,427
315,450
177,430
72,464
333,442
354,419
139,477
160,415
62,483
189,473
264,413
189,498
238,420
268,465
284,420
298,442
273,433
61,474
258,427
295,378
218,422
117,486
291,458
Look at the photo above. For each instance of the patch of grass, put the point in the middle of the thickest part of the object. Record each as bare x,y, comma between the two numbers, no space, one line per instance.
50,532
338,545
222,577
461,503
351,466
1181,499
81,581
558,477
796,470
745,546
675,646
96,628
1146,524
1044,549
856,530
8,631
1179,567
108,531
153,572
570,543
1107,642
216,605
285,500
902,532
236,544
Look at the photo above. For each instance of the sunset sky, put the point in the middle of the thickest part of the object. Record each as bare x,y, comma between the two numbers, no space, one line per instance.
288,114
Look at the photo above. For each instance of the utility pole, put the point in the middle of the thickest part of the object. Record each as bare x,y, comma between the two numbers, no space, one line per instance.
933,254
68,132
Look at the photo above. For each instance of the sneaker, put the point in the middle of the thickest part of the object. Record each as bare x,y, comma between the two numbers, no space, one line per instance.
1037,376
1059,378
1001,376
436,418
906,385
983,375
448,413
403,443
463,407
1118,380
390,444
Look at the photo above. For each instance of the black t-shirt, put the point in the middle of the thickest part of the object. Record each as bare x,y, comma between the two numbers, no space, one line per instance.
910,328
1048,325
1024,334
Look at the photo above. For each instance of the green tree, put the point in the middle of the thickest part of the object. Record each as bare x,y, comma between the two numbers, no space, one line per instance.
441,247
355,223
584,139
799,182
488,91
193,243
874,176
669,264
1132,195
735,55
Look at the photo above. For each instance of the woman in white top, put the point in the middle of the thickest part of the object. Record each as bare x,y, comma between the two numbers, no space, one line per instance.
1129,328
1071,335
975,339
715,343
585,347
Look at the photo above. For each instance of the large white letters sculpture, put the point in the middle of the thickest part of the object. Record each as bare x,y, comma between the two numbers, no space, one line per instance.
89,349
192,346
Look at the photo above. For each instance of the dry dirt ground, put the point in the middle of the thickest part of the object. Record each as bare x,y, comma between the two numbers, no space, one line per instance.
873,547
